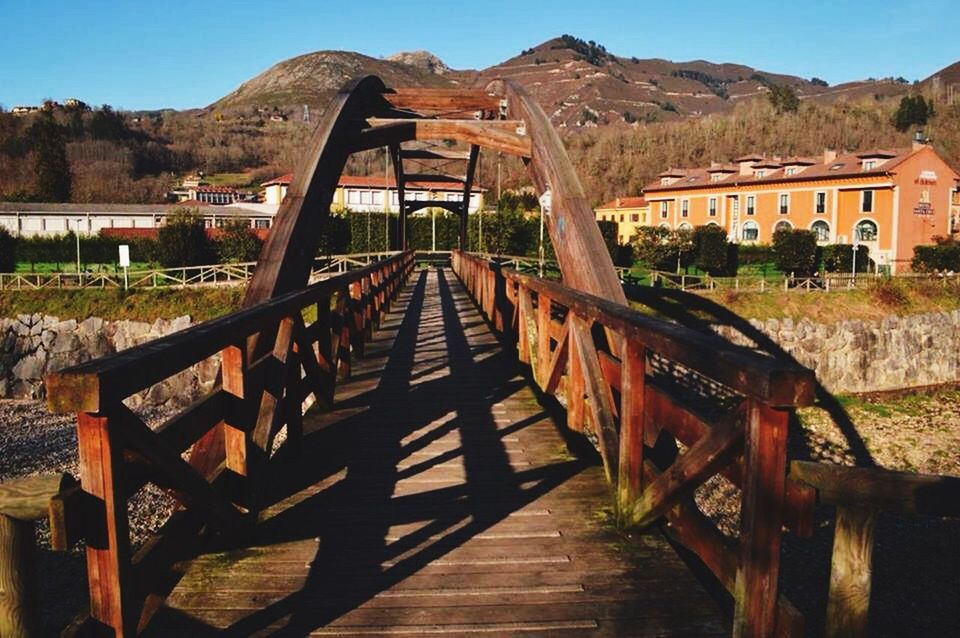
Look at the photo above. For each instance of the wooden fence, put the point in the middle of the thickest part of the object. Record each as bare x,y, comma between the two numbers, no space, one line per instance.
204,275
627,379
272,361
825,283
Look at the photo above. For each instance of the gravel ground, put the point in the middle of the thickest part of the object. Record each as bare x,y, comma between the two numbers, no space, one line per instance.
33,441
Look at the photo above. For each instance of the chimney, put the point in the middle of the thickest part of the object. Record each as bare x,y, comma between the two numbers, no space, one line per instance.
829,155
618,202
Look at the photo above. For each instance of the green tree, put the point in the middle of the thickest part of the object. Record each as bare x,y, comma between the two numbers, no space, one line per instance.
664,249
783,98
795,251
183,241
913,110
8,251
710,249
51,166
238,243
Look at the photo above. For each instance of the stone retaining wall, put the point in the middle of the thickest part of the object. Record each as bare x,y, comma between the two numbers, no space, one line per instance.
868,356
33,345
848,356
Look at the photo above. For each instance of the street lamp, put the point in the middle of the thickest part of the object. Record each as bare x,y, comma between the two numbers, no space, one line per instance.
856,247
77,233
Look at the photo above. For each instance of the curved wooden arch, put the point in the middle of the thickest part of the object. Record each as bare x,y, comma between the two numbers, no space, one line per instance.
365,114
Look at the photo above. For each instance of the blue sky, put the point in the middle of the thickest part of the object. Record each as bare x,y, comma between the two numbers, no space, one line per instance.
139,55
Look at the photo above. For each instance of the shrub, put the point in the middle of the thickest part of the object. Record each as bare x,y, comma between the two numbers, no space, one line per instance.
889,293
238,243
661,248
944,256
608,230
8,251
335,236
795,251
750,254
183,240
710,249
839,258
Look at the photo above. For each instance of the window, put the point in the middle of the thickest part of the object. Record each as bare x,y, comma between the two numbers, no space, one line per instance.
378,198
261,223
790,170
713,207
836,167
866,231
751,204
394,199
685,226
685,208
868,165
821,229
751,232
635,217
820,202
353,197
782,225
622,217
759,174
866,202
716,177
663,210
735,203
784,203
365,197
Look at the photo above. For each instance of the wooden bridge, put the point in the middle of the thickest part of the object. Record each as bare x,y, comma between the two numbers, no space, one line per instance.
404,451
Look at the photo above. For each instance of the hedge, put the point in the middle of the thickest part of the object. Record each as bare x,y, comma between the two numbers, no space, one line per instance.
941,257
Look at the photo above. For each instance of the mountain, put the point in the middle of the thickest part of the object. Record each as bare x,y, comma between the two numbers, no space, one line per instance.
578,83
313,79
581,84
946,80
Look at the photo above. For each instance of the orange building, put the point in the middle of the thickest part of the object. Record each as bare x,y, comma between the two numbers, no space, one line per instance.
630,213
887,200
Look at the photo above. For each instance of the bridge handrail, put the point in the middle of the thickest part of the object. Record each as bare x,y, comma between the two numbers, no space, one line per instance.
273,363
639,436
89,385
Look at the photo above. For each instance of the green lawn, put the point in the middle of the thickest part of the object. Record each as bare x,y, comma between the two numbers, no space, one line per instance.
52,267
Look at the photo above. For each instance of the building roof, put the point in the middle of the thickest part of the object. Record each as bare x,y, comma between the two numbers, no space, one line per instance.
215,189
624,202
125,209
380,181
844,165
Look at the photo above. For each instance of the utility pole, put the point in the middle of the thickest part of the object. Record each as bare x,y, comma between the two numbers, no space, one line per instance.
78,246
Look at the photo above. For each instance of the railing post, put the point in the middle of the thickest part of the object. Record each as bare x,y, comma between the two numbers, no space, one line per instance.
632,395
761,519
543,340
108,549
233,367
576,386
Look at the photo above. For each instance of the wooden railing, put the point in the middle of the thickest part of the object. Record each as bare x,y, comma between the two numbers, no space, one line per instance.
788,283
858,494
183,276
642,388
272,361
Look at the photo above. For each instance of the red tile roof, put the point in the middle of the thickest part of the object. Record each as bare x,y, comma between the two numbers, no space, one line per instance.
624,202
283,180
845,165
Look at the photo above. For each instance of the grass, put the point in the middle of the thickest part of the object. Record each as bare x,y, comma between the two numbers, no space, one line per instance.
137,305
238,180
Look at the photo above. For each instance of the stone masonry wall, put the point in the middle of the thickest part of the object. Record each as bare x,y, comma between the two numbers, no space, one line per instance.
33,345
867,356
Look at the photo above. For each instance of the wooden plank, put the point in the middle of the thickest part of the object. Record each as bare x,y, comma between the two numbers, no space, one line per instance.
901,492
28,498
184,429
850,572
687,472
761,520
193,489
632,397
435,177
108,555
450,101
543,340
598,395
433,154
576,388
508,136
18,586
558,362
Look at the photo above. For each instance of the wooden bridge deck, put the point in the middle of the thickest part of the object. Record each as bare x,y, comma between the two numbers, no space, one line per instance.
438,498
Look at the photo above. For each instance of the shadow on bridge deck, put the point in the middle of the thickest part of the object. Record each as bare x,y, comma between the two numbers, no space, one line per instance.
437,498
